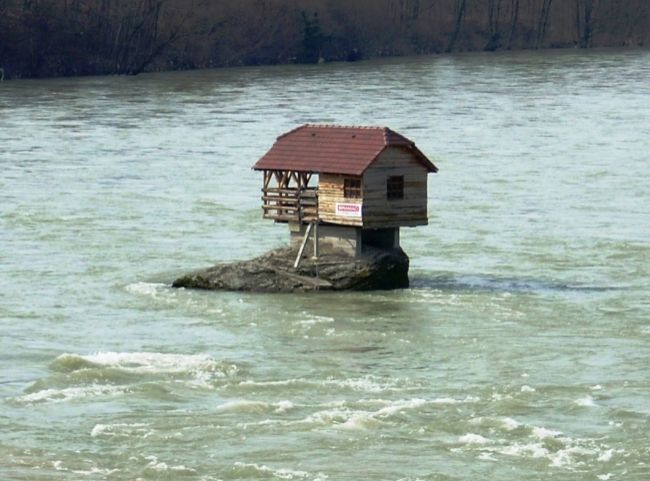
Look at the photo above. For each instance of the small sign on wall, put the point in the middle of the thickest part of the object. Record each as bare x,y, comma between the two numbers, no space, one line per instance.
348,210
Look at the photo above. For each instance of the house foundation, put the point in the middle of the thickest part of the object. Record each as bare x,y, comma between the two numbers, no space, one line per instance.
347,239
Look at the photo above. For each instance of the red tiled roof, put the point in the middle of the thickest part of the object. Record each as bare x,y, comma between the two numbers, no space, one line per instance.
334,149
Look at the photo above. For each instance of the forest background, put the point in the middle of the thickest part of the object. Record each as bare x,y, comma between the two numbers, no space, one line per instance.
43,38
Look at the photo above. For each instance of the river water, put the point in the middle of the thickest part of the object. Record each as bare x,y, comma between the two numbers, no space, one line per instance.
521,350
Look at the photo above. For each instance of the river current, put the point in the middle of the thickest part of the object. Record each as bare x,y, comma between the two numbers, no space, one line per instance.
520,352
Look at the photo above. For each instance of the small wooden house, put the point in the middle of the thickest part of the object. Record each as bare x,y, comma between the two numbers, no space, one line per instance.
352,186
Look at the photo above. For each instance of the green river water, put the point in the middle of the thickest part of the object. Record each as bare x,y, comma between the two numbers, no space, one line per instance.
521,351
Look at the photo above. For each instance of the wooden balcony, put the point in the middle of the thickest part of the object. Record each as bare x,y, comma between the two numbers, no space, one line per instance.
290,204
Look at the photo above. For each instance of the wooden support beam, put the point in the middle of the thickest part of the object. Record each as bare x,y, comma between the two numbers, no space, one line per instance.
268,175
302,246
286,177
315,224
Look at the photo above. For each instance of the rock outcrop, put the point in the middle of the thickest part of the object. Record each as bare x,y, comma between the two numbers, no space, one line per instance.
333,271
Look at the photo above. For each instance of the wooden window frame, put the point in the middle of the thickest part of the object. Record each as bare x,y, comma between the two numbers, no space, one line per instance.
351,188
395,187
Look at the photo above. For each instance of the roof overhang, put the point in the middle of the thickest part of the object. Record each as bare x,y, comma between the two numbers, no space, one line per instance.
329,149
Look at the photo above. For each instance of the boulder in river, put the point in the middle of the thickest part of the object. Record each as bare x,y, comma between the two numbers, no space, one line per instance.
332,271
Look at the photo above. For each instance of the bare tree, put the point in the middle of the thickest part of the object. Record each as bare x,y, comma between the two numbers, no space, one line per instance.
139,38
542,22
585,21
514,17
77,37
460,14
494,19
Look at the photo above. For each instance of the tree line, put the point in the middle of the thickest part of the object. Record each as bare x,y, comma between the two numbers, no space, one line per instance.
41,38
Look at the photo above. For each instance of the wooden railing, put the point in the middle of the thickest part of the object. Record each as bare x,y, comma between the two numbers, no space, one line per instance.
290,204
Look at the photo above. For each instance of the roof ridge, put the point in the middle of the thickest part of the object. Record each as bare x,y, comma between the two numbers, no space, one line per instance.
385,132
340,126
388,131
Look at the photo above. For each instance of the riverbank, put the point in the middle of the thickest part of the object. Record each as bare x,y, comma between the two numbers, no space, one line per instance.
51,38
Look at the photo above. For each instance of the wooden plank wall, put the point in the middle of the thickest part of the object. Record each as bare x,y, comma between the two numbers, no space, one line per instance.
378,211
330,192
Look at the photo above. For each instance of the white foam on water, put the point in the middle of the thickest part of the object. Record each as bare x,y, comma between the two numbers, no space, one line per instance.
526,388
283,382
243,405
486,456
572,454
58,465
333,417
367,384
371,384
449,400
399,406
354,419
283,406
359,421
586,402
566,457
532,450
201,367
543,433
472,438
604,477
500,397
415,401
312,320
339,414
121,429
161,466
154,361
341,403
149,289
510,424
95,471
265,422
563,452
163,293
341,417
280,473
54,395
606,456
504,423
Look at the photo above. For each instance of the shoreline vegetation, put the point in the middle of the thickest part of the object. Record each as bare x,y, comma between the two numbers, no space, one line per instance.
51,38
